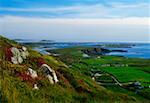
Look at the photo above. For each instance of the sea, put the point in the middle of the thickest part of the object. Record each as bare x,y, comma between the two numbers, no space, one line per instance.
134,50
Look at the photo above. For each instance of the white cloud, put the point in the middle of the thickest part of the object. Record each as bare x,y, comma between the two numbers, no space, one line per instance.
112,29
102,21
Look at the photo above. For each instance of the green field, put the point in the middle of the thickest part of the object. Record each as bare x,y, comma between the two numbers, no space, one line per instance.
124,69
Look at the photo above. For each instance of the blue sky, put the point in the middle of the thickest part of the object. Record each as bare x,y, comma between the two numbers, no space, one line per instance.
76,20
75,8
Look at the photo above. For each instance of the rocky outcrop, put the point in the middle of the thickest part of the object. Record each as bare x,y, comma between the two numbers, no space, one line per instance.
15,55
31,77
95,51
99,51
16,58
49,73
85,56
27,77
118,51
32,73
18,55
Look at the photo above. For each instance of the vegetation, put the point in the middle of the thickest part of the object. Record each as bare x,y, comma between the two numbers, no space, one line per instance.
124,69
75,83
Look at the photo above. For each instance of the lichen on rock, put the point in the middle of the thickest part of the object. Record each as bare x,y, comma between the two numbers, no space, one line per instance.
49,73
18,55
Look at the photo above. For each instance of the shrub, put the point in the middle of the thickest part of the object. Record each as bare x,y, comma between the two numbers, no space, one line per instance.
8,54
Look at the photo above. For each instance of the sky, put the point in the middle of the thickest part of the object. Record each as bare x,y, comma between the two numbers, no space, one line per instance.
76,20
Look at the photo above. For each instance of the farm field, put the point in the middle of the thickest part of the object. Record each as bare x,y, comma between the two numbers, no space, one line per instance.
125,69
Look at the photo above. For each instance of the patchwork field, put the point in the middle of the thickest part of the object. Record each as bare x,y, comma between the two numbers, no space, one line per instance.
125,70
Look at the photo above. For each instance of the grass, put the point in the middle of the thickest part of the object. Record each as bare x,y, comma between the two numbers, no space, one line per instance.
75,86
125,74
127,69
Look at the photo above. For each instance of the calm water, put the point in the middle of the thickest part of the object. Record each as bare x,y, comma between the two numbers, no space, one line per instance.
136,51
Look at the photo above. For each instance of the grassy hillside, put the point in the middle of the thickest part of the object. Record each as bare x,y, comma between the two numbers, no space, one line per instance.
74,85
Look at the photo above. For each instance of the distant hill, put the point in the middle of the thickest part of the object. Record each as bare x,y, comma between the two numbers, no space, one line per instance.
47,41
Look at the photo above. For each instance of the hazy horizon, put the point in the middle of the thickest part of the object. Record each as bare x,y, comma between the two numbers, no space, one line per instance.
65,41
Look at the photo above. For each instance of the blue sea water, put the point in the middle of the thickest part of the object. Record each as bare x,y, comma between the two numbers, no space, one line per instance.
139,50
